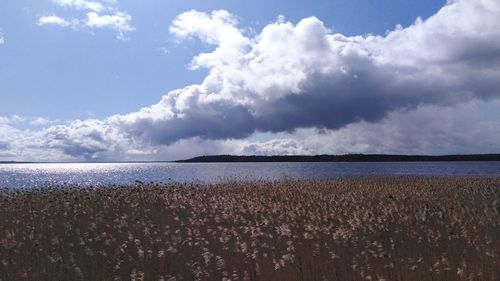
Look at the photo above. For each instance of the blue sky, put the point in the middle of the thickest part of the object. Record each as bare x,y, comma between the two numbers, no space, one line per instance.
98,80
60,73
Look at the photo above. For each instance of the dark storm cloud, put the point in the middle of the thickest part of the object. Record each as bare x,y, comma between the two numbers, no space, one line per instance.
471,127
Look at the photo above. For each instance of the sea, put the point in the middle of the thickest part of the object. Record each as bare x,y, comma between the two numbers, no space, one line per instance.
104,174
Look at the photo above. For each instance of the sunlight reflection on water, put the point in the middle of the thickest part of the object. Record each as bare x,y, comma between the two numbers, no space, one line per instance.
86,174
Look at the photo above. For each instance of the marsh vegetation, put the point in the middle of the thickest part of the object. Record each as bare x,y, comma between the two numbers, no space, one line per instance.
369,228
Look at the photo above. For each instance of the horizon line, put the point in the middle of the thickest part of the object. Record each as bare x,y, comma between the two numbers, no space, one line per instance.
251,155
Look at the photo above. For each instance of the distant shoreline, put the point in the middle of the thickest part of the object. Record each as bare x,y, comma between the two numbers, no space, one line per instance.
304,158
342,158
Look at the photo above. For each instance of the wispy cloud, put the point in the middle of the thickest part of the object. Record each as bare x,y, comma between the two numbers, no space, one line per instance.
118,21
34,121
14,119
163,50
55,20
81,5
97,15
42,121
2,39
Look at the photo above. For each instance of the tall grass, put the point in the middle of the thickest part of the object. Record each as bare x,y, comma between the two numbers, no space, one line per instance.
370,228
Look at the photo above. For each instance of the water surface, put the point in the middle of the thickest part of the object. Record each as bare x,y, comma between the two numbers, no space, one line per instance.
85,174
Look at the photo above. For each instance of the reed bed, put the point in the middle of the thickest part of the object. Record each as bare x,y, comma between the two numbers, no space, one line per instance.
369,228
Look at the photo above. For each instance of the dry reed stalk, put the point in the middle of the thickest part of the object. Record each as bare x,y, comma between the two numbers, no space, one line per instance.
368,228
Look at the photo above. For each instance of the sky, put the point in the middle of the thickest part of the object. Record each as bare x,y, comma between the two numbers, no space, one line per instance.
111,80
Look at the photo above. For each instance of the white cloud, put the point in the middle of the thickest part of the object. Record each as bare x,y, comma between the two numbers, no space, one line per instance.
97,15
14,119
55,20
118,21
87,138
42,121
217,28
2,39
417,89
81,5
300,76
21,145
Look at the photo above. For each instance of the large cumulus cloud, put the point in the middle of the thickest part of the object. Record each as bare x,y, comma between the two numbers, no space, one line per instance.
300,76
305,77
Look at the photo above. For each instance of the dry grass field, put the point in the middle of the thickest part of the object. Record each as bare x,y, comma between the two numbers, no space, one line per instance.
370,228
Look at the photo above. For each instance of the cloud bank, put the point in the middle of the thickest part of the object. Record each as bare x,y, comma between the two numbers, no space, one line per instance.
300,76
470,127
97,15
355,93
